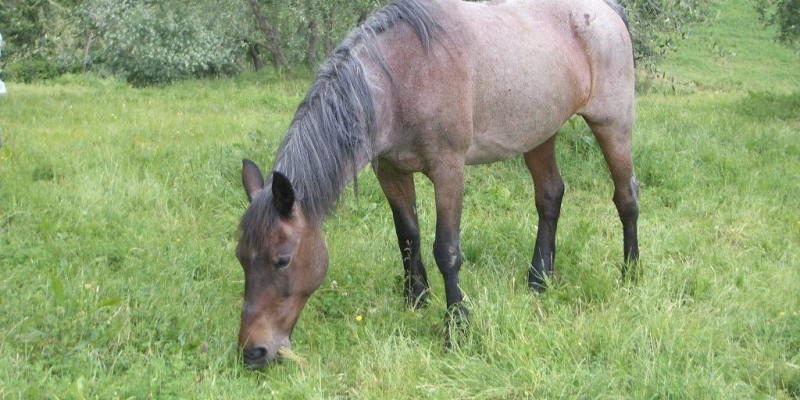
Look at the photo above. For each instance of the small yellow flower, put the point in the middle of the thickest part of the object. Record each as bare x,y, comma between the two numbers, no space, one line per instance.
359,318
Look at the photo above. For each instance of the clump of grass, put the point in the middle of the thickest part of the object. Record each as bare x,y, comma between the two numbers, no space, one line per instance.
288,354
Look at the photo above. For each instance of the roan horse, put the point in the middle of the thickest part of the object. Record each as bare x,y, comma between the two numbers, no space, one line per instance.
432,86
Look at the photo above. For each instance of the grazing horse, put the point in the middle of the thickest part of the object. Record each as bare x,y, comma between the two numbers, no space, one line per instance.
430,87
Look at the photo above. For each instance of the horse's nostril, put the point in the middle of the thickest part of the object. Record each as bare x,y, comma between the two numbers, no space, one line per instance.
255,357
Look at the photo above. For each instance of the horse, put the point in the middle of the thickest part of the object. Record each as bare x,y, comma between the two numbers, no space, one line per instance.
431,87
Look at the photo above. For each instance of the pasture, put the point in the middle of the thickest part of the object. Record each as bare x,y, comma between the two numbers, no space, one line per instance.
119,209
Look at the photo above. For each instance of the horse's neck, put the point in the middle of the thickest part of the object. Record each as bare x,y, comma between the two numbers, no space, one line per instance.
320,188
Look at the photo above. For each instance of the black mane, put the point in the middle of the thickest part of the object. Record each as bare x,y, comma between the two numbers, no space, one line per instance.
334,124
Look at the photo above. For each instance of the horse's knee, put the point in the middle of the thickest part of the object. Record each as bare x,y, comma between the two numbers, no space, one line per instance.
448,256
548,201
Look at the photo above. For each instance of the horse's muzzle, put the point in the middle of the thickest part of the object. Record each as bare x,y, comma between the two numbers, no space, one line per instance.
255,357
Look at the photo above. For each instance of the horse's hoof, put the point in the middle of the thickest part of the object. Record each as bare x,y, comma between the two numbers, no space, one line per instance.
416,292
456,323
631,271
536,282
417,301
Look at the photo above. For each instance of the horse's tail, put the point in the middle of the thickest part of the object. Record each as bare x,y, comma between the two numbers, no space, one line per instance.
621,12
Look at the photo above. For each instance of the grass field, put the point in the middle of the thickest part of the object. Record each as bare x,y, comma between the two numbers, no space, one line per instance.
118,215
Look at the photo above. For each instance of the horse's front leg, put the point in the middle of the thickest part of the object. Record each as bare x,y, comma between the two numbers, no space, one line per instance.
448,185
549,187
401,195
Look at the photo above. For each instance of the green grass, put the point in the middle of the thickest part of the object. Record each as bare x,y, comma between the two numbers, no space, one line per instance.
118,210
733,52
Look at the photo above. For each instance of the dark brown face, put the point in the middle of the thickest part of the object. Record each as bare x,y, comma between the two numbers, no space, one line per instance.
281,271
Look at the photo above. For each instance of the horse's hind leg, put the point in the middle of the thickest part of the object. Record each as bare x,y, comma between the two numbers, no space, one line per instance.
549,188
615,141
400,192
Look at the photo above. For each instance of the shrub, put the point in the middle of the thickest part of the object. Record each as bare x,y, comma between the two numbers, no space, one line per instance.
784,15
153,44
31,69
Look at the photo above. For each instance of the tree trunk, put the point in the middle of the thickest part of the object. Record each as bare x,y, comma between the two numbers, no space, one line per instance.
277,55
327,21
311,52
313,35
86,47
252,49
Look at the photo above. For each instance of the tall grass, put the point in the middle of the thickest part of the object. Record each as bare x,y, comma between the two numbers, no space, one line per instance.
118,210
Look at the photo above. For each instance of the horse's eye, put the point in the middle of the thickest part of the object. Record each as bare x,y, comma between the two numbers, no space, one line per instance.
283,262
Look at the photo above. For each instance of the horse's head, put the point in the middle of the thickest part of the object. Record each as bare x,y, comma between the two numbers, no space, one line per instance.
284,260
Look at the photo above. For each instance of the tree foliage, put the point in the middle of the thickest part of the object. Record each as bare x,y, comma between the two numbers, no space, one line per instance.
297,23
151,42
35,35
657,25
784,15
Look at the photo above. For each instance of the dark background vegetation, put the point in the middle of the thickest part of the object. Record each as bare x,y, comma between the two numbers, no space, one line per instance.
146,42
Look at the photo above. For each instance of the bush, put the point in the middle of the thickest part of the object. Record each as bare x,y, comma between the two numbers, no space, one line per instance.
34,68
784,15
153,44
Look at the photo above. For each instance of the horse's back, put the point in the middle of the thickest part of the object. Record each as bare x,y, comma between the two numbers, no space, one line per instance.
502,77
534,64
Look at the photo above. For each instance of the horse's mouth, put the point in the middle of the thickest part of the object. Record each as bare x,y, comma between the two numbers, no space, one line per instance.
256,358
259,357
255,364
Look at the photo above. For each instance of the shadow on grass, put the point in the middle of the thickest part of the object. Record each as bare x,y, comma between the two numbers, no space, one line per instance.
763,106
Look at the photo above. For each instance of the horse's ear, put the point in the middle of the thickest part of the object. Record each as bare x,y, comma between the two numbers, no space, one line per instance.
282,194
252,179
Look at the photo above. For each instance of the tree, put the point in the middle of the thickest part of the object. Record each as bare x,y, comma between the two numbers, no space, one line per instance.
302,31
277,54
157,42
37,34
657,25
313,35
152,41
783,14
